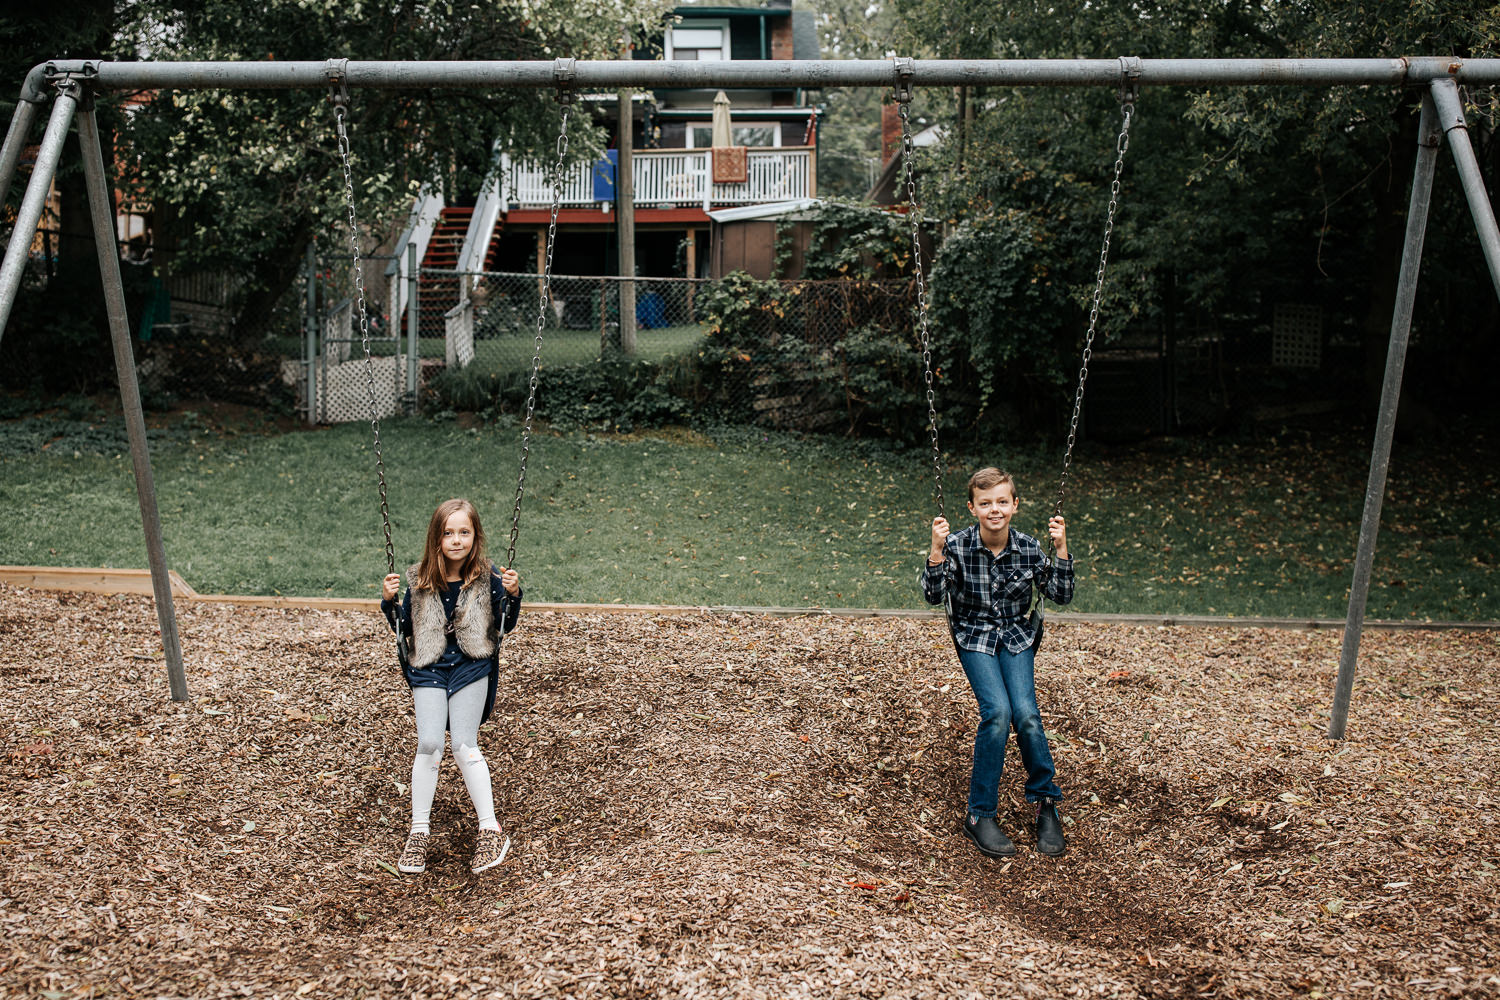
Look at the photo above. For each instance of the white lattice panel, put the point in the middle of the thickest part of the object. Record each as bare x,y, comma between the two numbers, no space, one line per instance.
346,388
1297,336
458,335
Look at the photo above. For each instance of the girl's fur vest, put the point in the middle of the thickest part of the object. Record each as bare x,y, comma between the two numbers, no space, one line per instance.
473,622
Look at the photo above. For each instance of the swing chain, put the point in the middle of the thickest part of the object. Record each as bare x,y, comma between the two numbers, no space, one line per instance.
1122,144
904,70
338,93
546,298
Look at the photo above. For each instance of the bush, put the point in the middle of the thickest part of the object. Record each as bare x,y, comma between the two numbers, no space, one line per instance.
214,367
58,337
1004,314
615,392
465,389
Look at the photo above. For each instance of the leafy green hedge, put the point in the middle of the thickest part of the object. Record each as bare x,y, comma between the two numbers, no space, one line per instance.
616,392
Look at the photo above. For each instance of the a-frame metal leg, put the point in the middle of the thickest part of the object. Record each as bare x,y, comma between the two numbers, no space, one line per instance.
1450,114
14,265
1429,137
15,141
130,396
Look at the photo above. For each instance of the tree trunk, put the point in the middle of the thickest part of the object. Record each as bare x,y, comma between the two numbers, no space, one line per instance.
273,275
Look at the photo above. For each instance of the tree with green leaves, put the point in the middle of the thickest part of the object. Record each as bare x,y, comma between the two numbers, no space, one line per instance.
243,180
1235,198
849,153
254,176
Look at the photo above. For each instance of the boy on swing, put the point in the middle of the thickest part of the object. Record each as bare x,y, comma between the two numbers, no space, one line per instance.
989,570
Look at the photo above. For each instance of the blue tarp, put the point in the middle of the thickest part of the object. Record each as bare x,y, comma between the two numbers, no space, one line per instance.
650,311
604,175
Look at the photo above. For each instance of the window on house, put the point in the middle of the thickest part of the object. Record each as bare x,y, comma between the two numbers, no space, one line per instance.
702,40
700,135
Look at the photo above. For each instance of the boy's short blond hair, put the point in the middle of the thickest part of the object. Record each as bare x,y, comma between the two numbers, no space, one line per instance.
988,479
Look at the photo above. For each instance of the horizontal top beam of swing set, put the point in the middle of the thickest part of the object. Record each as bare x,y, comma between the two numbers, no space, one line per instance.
647,74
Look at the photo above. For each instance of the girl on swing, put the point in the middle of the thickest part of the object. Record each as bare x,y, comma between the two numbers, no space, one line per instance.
457,605
990,570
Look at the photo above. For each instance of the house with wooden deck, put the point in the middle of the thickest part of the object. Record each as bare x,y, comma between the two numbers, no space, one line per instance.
765,166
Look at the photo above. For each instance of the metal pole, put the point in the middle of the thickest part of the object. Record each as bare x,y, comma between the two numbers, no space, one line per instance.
613,75
625,206
1450,113
310,332
15,141
35,200
413,338
1429,137
130,396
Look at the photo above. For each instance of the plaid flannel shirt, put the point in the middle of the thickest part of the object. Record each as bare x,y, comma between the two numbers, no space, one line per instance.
992,594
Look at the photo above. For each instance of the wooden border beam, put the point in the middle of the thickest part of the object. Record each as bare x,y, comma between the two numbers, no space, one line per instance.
138,581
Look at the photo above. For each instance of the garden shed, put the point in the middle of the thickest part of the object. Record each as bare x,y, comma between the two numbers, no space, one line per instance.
744,239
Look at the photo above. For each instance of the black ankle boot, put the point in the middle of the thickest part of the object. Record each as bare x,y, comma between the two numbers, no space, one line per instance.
988,837
1049,835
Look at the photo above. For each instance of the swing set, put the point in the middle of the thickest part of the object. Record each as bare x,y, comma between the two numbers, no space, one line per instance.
72,85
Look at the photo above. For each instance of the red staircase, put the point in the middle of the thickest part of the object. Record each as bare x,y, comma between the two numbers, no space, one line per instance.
489,255
439,292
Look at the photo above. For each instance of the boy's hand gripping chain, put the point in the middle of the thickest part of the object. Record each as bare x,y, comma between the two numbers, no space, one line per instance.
338,93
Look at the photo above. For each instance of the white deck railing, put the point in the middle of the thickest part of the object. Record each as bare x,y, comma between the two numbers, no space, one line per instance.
677,177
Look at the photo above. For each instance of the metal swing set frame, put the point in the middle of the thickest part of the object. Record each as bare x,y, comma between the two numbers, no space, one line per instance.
71,86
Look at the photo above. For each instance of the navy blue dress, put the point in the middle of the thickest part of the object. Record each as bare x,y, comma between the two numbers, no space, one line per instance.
455,670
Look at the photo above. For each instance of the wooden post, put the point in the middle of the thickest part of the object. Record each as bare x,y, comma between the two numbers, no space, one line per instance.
692,271
541,261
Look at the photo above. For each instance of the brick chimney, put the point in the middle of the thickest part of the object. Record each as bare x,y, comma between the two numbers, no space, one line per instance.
890,131
781,38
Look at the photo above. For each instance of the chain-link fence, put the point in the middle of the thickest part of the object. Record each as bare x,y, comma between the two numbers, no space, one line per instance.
492,319
783,354
833,356
211,337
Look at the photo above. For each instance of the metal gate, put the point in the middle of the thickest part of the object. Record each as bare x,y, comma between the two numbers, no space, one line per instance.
338,382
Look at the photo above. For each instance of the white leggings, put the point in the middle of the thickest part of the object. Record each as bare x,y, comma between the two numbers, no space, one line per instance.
460,715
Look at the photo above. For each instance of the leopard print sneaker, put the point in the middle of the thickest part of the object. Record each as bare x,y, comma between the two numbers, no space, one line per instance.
414,856
489,851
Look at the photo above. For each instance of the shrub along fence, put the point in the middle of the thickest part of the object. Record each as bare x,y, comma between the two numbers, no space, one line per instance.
834,356
839,355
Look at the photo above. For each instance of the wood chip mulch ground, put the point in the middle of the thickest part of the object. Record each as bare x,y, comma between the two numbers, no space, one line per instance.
717,806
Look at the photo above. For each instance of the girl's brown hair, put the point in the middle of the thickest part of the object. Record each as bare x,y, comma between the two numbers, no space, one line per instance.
476,567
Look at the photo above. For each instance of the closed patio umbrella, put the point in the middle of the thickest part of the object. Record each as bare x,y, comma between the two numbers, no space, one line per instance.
730,163
722,135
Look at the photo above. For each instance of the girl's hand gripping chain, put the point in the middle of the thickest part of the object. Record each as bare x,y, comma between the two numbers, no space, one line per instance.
511,581
939,540
390,586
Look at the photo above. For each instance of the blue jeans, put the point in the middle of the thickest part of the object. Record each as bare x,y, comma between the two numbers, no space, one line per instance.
1005,686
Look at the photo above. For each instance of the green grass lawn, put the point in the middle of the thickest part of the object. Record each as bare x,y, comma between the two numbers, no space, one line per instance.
743,517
